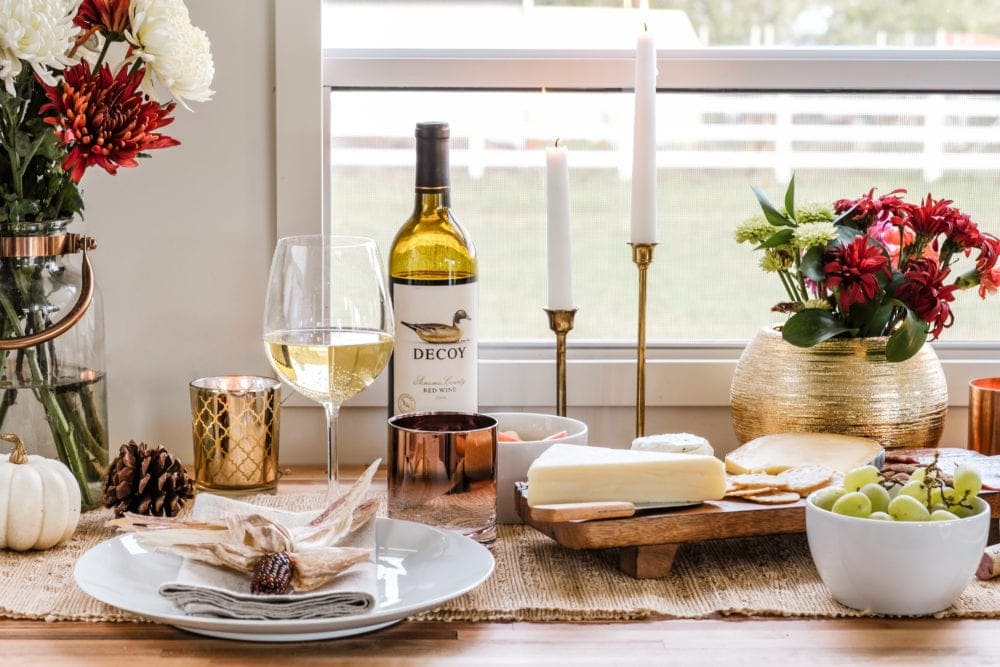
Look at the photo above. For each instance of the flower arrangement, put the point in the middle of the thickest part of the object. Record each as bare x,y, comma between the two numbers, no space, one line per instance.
64,108
877,265
83,83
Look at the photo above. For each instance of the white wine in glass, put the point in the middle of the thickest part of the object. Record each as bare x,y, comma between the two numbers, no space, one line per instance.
328,328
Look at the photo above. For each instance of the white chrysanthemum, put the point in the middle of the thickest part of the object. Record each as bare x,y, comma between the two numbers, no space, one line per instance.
177,55
37,32
811,234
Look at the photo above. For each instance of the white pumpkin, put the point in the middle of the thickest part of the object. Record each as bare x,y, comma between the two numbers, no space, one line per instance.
39,500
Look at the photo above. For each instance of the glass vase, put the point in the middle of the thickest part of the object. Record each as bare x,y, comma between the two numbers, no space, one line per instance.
53,393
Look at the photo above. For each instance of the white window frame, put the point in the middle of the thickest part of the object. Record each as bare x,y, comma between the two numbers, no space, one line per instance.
520,373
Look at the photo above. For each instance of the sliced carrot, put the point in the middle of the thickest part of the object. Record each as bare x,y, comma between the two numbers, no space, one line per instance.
508,436
556,436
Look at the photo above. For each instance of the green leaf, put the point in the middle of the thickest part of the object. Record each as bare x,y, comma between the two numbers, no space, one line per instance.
846,234
812,264
844,218
779,238
772,214
907,339
790,198
883,318
812,325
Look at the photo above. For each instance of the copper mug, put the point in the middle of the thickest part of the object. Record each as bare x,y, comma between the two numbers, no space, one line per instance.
442,471
984,415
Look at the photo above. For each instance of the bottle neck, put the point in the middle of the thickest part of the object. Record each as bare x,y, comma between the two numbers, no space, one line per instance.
432,167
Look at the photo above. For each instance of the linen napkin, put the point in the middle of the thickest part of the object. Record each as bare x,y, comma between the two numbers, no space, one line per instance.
202,589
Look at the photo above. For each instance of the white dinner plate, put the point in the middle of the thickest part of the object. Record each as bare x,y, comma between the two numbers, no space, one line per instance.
419,567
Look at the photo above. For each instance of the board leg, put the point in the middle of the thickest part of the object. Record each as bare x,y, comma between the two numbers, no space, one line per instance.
651,561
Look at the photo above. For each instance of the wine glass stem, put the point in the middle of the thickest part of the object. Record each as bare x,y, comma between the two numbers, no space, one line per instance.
332,476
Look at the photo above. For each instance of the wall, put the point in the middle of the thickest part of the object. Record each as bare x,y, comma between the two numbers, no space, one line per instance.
185,239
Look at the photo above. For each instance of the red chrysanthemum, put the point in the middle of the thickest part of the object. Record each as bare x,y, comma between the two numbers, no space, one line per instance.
932,218
986,264
964,232
924,292
869,209
852,269
104,120
108,17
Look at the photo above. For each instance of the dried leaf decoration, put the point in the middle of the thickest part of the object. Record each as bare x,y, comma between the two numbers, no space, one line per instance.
239,541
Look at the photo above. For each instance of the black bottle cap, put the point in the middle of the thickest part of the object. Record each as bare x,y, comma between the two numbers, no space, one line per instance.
432,130
432,156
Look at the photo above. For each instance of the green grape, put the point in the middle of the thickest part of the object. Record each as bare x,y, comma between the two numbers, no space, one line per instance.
878,496
936,497
961,512
908,508
858,477
942,515
853,504
967,481
825,498
894,489
939,506
915,489
881,516
918,475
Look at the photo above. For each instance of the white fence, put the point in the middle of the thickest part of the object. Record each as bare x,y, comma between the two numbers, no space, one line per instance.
783,132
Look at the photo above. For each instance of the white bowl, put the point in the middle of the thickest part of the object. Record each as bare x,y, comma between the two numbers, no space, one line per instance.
514,458
902,568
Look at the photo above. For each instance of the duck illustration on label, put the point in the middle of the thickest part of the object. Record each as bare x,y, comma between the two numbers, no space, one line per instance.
433,332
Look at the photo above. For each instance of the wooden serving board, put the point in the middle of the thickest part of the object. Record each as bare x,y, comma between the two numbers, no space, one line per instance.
647,542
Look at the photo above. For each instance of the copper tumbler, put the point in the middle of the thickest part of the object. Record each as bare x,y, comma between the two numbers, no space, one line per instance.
984,416
442,471
234,422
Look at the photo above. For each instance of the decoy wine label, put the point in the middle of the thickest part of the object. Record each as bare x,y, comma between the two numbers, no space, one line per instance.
435,294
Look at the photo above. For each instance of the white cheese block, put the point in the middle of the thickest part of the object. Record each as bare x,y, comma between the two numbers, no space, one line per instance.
774,453
676,443
576,473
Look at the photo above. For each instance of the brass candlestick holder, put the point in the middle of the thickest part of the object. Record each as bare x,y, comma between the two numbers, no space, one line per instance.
561,323
642,255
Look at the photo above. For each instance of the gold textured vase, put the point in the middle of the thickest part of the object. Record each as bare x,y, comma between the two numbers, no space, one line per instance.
838,386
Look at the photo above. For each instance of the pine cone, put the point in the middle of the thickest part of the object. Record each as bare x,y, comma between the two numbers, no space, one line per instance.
272,574
146,481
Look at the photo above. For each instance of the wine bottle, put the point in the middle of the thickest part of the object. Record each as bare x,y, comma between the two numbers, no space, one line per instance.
435,294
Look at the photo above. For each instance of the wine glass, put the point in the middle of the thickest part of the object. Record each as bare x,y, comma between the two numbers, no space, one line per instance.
328,327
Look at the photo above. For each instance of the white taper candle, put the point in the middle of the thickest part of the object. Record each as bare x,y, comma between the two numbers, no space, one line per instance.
643,228
559,247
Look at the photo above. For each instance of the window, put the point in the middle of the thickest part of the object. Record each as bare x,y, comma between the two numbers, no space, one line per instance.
907,99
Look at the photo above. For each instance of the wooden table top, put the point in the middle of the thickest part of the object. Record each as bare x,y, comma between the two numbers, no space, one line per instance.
719,642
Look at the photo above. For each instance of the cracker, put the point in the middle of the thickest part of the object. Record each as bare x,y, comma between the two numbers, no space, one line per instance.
774,497
751,480
749,491
804,480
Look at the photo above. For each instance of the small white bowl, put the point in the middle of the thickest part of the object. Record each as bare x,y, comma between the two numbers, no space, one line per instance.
901,568
514,458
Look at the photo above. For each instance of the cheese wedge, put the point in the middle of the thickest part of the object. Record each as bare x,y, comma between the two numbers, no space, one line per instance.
774,453
676,443
577,473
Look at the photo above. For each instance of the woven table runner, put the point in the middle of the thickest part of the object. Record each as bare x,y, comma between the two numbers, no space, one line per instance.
535,580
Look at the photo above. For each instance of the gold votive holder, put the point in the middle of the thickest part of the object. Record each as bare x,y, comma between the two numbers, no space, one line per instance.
234,424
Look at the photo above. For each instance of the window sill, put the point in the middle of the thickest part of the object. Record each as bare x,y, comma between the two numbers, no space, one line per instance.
522,374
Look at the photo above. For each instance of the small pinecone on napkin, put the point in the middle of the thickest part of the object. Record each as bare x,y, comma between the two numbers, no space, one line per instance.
146,480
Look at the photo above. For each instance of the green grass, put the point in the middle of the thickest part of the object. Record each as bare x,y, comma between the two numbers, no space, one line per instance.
702,284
